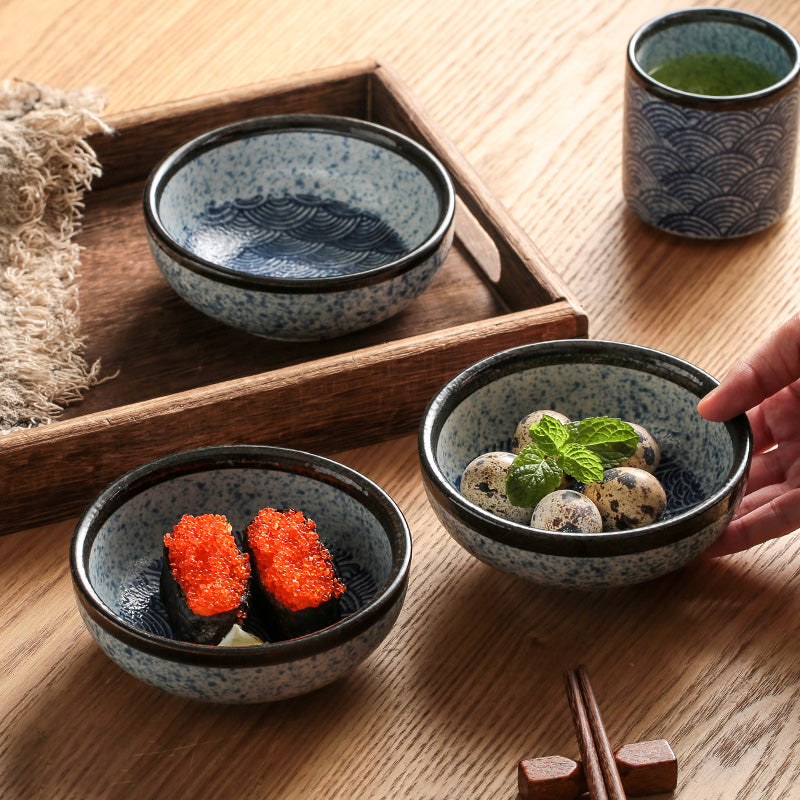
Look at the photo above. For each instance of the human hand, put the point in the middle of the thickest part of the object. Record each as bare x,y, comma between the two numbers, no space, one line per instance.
766,385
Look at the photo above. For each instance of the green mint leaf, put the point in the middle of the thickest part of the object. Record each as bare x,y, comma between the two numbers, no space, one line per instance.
581,449
550,434
531,477
610,439
581,463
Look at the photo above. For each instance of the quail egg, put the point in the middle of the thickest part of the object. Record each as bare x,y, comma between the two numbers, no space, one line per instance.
567,510
522,436
484,483
648,451
627,497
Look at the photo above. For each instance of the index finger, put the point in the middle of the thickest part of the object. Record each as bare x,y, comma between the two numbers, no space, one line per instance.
770,367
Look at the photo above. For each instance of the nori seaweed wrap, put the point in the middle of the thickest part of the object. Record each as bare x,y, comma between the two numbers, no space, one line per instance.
205,579
295,588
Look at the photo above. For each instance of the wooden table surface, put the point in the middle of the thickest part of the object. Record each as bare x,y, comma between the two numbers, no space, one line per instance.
469,681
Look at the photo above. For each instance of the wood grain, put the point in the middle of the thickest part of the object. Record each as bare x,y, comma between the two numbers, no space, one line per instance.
176,379
468,683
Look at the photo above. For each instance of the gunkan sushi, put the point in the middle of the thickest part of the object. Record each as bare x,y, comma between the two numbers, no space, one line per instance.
204,579
295,589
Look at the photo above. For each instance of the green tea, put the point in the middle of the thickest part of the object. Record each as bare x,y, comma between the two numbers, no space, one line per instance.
714,74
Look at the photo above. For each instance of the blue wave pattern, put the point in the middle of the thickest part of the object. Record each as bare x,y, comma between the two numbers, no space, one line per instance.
681,486
294,236
708,174
142,607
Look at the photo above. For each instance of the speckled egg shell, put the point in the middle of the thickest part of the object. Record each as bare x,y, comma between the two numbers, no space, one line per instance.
522,436
627,498
648,451
567,510
484,483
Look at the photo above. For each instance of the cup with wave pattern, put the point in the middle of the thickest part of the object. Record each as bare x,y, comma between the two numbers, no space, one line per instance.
710,166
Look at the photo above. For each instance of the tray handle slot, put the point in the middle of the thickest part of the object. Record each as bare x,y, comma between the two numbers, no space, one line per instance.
478,243
517,253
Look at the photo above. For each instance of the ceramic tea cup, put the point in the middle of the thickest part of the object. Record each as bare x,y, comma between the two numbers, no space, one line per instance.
710,123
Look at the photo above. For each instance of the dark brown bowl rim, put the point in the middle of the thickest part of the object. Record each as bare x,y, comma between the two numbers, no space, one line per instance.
773,30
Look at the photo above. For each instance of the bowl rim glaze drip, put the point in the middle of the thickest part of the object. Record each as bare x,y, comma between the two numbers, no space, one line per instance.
222,457
688,16
424,160
576,351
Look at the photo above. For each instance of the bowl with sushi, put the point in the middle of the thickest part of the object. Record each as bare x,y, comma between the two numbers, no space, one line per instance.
240,574
582,463
300,227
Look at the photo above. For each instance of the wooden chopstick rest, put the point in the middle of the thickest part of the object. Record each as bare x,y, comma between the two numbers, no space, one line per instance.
637,769
645,768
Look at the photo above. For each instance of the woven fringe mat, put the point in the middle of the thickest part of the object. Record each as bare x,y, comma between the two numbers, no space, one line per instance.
45,167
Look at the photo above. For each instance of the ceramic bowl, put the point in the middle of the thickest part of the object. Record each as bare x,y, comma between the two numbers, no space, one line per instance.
300,227
703,468
115,560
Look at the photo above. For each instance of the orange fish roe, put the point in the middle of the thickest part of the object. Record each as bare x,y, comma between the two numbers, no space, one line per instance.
294,566
206,562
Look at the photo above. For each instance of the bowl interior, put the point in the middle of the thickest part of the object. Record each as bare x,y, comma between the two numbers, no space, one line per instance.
716,31
697,455
300,203
125,558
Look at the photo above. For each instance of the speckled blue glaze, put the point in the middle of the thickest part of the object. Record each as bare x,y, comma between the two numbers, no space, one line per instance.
299,317
246,683
710,167
116,552
577,572
704,465
300,227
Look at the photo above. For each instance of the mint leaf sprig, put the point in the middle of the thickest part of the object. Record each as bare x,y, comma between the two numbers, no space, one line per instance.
580,449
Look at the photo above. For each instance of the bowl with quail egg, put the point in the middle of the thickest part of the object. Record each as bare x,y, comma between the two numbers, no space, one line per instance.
582,463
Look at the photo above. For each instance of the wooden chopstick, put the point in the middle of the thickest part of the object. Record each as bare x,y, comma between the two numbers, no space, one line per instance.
600,766
608,762
580,718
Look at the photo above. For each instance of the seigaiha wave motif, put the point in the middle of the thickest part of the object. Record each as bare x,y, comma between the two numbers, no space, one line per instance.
681,486
708,174
294,236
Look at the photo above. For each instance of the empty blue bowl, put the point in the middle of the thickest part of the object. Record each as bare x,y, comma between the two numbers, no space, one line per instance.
116,551
704,465
300,227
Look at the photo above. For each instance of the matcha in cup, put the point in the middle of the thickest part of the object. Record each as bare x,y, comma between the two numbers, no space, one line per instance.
710,129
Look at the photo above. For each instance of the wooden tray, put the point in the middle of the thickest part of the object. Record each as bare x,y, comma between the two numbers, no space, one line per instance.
181,380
